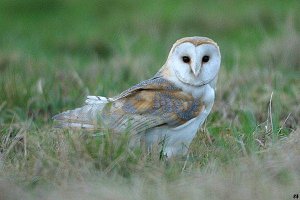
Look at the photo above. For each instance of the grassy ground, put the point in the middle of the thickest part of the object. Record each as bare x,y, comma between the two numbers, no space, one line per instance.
53,53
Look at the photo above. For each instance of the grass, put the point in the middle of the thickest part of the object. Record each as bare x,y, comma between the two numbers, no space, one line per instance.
53,53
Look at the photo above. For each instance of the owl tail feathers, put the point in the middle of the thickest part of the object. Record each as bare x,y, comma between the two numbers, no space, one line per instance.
86,117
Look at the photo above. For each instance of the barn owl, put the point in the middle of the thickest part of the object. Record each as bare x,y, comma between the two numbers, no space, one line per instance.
169,107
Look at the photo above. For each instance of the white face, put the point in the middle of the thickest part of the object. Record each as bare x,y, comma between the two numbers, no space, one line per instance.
195,65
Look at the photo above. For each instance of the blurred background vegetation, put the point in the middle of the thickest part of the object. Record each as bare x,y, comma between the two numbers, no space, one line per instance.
55,52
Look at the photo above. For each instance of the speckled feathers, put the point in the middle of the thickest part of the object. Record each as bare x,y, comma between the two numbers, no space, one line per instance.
156,99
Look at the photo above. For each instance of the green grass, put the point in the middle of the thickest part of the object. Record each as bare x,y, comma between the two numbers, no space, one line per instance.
55,52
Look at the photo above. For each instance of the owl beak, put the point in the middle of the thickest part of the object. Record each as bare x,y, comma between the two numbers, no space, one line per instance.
196,69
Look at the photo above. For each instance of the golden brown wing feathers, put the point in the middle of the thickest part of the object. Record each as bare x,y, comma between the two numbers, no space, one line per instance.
149,104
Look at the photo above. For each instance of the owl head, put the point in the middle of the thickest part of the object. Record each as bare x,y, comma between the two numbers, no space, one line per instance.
194,60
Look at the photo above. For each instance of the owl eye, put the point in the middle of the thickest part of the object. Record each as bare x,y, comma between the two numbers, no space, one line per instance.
205,59
186,59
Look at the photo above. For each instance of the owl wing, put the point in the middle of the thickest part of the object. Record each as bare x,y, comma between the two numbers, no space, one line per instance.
151,103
